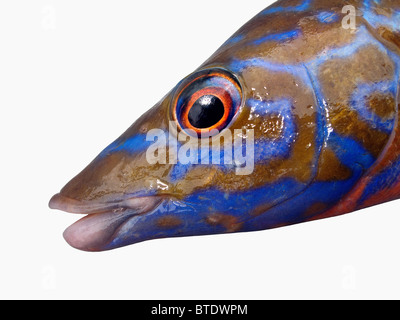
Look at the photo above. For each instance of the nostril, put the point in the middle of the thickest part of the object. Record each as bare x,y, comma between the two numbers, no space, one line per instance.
144,128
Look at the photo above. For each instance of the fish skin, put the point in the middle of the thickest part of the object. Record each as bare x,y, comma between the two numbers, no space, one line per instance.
323,102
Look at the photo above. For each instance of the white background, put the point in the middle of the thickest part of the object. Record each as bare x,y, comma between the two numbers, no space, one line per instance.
73,76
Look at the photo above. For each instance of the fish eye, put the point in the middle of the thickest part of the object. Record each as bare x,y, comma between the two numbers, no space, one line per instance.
207,101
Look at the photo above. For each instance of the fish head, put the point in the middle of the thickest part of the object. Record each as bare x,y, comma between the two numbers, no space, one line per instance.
231,141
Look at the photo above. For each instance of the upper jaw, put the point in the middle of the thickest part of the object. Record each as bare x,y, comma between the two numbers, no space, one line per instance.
139,205
103,221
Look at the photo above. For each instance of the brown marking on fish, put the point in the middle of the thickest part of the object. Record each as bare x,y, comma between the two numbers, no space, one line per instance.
272,86
116,175
315,208
392,37
198,177
330,168
383,105
169,222
339,78
230,223
347,122
315,37
261,209
266,127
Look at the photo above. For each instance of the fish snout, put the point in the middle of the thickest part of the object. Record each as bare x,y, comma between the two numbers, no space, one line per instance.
100,226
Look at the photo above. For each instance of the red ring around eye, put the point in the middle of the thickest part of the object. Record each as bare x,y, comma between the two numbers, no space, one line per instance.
221,94
218,83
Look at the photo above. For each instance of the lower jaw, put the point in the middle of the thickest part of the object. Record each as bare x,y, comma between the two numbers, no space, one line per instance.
103,221
94,232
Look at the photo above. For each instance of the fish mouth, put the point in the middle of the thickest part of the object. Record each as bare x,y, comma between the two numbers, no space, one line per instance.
100,226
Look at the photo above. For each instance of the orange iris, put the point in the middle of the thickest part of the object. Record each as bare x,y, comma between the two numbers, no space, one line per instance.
219,89
221,94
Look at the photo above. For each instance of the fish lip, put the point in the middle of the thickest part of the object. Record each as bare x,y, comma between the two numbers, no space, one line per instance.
139,205
102,221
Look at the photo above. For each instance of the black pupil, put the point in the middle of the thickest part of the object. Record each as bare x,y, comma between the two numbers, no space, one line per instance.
206,112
